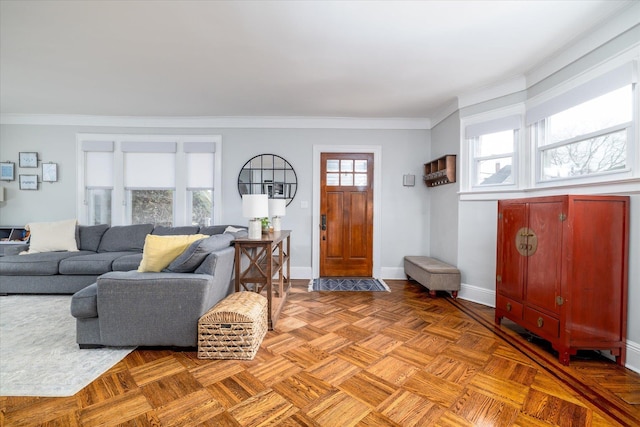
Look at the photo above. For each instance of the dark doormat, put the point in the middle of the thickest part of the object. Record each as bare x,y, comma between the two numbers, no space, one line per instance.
348,284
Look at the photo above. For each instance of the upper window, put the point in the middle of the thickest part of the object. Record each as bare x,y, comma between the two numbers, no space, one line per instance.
492,147
346,172
160,179
493,158
587,139
577,135
586,131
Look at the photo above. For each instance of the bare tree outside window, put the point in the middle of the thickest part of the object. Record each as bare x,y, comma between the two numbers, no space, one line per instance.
202,207
152,207
600,154
589,138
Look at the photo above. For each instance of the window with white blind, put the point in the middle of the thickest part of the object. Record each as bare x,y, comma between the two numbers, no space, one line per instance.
199,185
159,179
98,177
492,147
583,132
587,131
149,181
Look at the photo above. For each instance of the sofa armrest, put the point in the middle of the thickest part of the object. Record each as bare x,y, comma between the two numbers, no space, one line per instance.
15,249
155,309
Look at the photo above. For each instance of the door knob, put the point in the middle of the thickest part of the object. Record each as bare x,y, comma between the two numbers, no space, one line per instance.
323,222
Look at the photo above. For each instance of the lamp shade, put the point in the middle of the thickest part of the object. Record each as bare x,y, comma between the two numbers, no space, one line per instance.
255,206
277,207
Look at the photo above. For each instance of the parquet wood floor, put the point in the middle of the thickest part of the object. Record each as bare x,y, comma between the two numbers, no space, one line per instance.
395,358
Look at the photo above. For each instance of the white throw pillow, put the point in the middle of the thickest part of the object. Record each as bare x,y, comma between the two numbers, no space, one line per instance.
52,236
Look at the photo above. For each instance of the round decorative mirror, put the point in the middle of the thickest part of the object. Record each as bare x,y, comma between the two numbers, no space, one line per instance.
268,174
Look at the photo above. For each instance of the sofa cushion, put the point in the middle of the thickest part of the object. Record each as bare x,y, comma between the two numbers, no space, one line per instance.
94,263
39,264
84,303
159,251
52,236
89,236
161,230
212,229
125,238
127,262
191,258
242,233
208,266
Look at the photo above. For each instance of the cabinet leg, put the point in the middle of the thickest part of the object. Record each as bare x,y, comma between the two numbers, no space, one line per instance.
454,294
498,320
621,356
564,357
432,294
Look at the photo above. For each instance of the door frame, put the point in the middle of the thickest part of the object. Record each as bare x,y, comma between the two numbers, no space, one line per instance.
377,192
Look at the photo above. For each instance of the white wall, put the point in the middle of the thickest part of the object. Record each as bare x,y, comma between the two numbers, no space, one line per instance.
443,238
403,151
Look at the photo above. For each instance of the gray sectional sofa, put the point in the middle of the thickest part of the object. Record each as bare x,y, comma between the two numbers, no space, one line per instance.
113,303
101,249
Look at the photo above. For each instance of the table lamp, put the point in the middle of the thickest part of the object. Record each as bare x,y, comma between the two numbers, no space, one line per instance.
255,207
277,209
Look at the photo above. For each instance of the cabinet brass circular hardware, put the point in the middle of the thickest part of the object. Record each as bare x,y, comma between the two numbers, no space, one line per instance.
526,241
268,174
508,306
540,322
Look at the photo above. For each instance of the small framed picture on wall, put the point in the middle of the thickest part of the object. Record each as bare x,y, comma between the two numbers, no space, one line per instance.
28,182
28,160
49,172
7,171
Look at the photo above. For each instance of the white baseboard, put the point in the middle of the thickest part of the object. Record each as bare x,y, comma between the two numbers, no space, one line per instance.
477,294
392,273
633,356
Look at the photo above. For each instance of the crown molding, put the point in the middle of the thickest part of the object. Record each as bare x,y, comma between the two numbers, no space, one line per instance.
218,122
444,111
488,93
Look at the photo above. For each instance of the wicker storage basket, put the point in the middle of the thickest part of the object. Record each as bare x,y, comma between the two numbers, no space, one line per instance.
233,328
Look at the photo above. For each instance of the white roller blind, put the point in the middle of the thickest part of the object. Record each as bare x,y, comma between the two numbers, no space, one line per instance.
492,126
99,169
199,170
149,170
199,147
97,145
149,146
606,83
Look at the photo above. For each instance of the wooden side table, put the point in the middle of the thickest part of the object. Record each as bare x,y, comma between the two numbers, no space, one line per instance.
268,269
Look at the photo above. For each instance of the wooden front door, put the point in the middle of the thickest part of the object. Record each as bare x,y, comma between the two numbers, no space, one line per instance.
346,214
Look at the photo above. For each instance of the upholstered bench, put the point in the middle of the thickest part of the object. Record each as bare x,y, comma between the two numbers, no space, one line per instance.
433,274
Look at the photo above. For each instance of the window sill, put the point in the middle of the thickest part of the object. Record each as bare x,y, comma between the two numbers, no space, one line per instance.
626,186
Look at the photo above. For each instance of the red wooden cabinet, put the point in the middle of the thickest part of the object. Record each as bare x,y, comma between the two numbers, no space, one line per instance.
562,270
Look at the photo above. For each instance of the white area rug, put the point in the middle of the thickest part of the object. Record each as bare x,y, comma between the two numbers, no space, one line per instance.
38,351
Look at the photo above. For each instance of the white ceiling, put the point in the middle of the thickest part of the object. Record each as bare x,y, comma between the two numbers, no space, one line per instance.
373,59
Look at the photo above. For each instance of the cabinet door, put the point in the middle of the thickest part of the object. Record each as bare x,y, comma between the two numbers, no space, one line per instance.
597,271
510,264
544,265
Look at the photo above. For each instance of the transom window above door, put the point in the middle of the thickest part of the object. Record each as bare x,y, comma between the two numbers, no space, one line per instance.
346,173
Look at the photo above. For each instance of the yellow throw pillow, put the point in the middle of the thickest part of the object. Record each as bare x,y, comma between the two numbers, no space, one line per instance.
159,251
